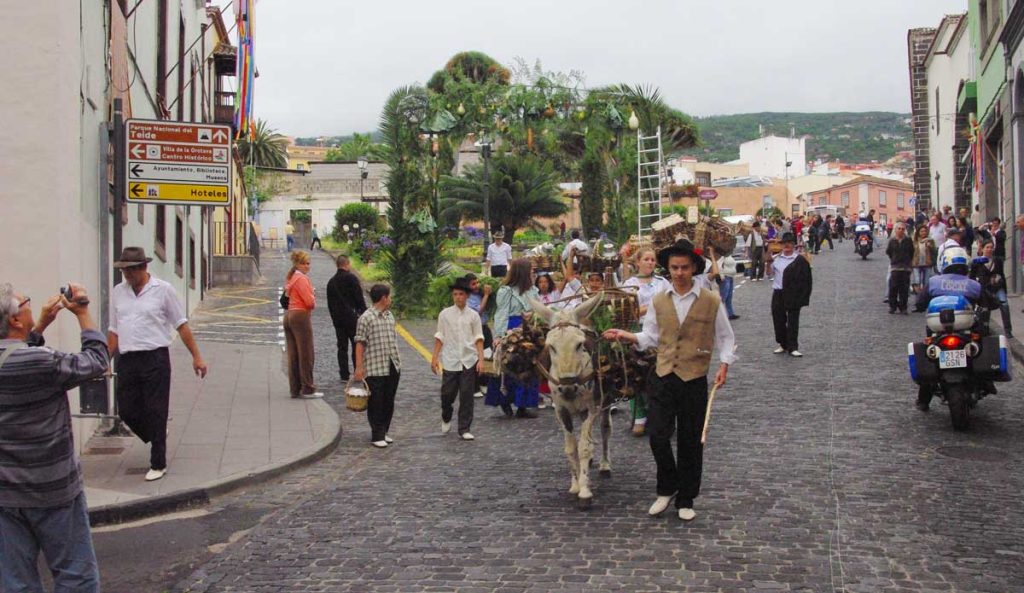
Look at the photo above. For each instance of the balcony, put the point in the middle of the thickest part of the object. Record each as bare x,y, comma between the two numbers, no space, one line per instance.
224,107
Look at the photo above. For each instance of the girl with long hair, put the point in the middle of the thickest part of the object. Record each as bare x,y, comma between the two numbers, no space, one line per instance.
298,328
511,305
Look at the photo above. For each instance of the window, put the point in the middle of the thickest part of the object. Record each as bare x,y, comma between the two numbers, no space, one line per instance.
160,245
881,198
845,197
882,218
725,211
703,178
899,201
938,116
988,19
141,213
191,260
179,245
823,199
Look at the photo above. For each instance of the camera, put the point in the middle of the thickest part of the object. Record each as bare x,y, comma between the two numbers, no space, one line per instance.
68,293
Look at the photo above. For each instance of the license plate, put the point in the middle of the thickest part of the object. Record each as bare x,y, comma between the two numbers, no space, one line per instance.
953,359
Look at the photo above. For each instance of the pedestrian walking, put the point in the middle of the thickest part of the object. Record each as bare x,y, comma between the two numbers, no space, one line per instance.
289,234
925,256
298,328
42,499
679,386
901,260
755,251
840,228
791,291
346,303
458,357
577,245
988,271
499,254
648,285
378,362
826,234
479,295
143,312
937,229
511,303
725,277
315,243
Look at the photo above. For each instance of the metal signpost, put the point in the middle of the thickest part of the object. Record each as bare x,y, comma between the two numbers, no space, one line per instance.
170,162
707,195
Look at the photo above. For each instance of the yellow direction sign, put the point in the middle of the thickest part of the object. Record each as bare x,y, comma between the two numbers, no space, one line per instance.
168,193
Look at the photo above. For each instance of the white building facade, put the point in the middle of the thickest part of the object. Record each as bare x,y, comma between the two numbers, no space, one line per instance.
947,66
767,156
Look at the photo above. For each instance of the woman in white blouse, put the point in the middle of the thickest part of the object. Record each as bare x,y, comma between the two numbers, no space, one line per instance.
647,285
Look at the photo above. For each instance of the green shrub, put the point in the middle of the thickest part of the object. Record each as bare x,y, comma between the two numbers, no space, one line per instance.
359,213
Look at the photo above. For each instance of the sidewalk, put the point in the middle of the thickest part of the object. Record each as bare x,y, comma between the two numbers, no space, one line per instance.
1017,318
235,427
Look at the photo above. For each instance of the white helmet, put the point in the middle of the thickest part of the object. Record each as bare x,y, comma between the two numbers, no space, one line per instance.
954,261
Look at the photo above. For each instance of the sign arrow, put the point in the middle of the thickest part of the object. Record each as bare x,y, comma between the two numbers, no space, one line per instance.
137,190
220,136
136,170
138,151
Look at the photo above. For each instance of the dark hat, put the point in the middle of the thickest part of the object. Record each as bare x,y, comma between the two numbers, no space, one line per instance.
682,247
131,257
954,230
788,238
461,284
498,234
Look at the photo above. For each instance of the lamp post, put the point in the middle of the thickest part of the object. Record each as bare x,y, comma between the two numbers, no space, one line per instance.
362,163
485,154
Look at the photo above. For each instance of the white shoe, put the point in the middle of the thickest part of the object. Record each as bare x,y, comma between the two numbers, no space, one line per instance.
155,474
796,353
687,514
659,506
316,395
779,350
388,439
543,404
446,427
478,394
467,436
380,444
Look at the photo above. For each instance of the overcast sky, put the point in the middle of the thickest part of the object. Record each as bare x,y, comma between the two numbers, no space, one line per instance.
327,66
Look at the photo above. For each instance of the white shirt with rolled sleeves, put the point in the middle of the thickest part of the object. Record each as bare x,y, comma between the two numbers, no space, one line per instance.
581,248
145,321
458,330
499,255
725,339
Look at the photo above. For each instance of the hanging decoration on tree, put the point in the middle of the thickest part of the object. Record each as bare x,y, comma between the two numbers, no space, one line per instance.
246,69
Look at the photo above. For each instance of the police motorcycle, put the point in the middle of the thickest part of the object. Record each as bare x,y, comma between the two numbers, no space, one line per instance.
863,240
959,361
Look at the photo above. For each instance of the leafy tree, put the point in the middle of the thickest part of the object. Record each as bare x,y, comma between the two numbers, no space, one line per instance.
594,177
522,187
266,148
359,213
263,184
358,145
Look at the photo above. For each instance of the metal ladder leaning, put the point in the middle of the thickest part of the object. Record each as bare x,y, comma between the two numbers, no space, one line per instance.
649,158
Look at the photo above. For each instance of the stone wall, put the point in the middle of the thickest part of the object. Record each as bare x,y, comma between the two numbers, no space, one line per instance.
918,43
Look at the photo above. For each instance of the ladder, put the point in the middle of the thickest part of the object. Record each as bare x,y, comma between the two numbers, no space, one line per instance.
649,158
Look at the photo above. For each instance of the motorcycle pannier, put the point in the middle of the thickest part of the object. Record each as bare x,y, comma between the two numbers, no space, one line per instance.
950,313
922,368
993,362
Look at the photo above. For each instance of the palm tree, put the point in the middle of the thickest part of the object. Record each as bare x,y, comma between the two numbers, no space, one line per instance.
356,146
678,130
522,187
267,148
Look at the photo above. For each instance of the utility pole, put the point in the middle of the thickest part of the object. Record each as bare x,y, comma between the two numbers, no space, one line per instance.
119,183
485,153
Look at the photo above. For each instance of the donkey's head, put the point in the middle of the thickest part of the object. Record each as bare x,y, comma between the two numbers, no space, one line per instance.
569,342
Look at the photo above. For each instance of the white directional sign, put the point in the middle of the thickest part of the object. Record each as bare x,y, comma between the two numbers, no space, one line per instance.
171,162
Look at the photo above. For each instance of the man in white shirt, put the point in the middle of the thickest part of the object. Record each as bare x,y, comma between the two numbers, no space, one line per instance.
577,243
678,398
459,358
143,312
937,230
499,254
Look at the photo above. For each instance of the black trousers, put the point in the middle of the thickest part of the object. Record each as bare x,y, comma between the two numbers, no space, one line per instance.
899,289
499,271
346,344
787,323
381,406
757,261
678,406
461,384
826,237
315,243
143,398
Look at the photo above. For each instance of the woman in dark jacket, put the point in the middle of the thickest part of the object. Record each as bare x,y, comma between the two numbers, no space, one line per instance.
988,271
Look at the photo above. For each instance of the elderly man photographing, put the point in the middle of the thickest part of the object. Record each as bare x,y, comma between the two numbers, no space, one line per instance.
143,312
42,502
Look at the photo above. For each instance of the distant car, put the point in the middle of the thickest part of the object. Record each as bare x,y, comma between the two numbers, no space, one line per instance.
740,254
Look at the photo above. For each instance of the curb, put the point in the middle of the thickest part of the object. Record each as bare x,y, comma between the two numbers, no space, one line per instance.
201,495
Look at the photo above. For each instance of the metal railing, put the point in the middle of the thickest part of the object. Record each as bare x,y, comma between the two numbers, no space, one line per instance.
235,238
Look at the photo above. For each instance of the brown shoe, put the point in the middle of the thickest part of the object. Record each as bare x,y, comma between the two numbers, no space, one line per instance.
639,429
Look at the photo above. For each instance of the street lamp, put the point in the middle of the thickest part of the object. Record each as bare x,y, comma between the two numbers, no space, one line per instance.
362,163
485,153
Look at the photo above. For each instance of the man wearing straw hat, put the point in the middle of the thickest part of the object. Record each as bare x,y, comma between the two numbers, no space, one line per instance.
678,398
143,311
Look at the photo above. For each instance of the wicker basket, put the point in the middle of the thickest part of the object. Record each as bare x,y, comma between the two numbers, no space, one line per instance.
774,246
357,395
668,230
491,368
543,263
624,306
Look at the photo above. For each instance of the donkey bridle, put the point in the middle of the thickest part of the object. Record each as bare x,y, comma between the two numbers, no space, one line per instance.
562,382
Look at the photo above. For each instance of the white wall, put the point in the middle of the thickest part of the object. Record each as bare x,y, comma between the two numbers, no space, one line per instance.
767,156
944,73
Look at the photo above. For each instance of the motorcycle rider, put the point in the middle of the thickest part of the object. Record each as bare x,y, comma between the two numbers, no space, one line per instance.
953,280
863,228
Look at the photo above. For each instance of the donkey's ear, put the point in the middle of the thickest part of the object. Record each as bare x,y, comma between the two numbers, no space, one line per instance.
543,311
584,311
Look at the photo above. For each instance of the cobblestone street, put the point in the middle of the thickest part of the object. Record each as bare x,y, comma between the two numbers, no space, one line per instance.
819,475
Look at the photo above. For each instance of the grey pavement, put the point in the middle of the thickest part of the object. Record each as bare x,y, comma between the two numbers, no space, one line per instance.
819,475
232,427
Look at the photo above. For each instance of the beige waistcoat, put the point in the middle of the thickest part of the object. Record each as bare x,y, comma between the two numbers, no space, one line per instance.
685,348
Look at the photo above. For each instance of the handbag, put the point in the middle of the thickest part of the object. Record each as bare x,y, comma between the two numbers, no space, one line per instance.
284,301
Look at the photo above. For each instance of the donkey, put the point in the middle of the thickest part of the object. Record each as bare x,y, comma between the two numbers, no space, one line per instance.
570,350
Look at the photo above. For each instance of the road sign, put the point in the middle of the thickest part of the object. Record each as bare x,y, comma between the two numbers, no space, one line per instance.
912,201
707,194
171,162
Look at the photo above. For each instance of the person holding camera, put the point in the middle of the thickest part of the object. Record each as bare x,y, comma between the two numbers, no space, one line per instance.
143,312
42,500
